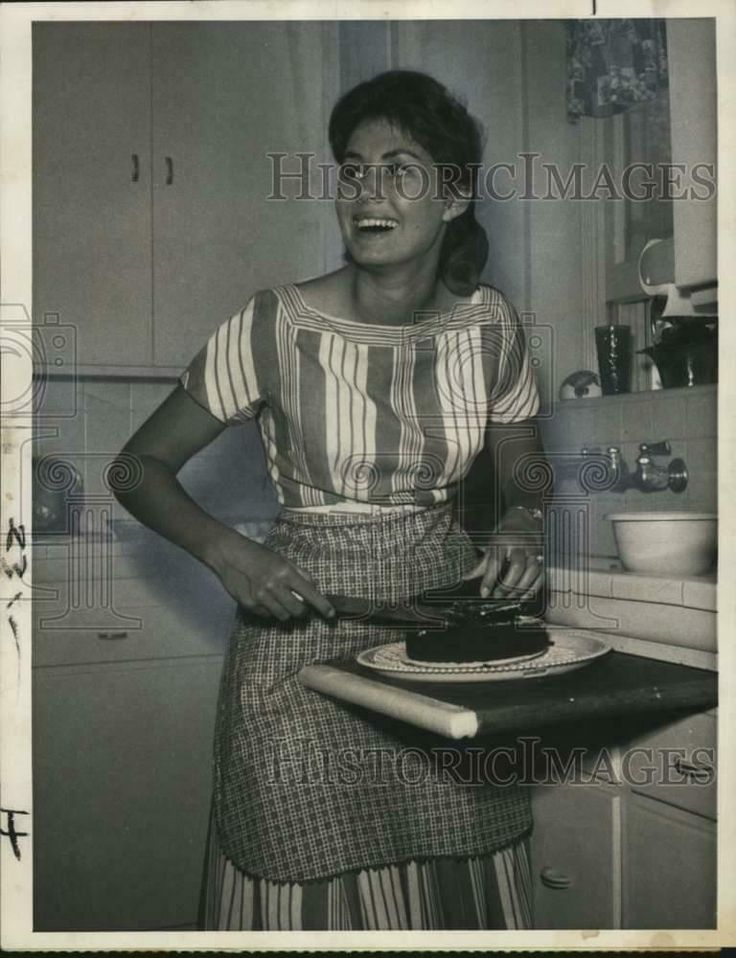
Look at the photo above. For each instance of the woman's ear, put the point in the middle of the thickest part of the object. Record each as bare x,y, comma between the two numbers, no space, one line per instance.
455,206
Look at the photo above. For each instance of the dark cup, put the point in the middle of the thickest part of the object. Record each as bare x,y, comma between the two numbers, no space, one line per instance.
613,345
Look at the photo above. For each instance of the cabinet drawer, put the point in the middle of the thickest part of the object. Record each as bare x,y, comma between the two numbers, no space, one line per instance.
148,569
134,632
677,764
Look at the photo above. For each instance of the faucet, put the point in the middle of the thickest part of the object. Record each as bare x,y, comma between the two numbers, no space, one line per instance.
604,471
607,471
649,477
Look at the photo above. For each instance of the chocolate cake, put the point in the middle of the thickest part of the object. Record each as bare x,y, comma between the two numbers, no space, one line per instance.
478,632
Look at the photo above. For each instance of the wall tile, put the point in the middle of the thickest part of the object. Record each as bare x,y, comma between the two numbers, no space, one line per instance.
662,501
607,423
57,398
571,425
62,437
554,430
584,434
702,491
637,421
668,416
701,411
228,478
702,455
108,427
147,396
59,435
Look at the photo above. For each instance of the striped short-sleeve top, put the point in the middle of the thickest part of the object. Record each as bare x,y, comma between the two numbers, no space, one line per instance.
349,411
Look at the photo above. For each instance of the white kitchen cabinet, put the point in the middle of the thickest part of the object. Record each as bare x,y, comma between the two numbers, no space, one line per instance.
224,96
676,764
153,220
92,186
154,603
669,867
121,764
573,856
691,48
638,853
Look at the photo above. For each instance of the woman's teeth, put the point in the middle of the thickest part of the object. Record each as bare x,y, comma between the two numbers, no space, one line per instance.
376,224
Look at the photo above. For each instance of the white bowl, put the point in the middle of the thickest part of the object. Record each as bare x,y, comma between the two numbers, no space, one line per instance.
666,543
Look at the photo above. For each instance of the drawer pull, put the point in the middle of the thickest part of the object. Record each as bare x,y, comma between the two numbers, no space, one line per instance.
552,878
692,770
112,635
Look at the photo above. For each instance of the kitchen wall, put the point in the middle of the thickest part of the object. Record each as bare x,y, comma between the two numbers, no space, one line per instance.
686,417
89,424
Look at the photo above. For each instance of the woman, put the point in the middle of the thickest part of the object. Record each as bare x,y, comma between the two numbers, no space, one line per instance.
373,386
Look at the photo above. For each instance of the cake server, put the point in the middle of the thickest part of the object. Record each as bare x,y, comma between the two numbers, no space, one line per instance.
437,613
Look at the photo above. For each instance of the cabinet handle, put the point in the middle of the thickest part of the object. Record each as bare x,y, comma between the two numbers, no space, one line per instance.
692,770
169,170
112,635
552,878
136,173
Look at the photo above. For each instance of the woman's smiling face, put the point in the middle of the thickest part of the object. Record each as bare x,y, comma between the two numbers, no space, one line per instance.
389,215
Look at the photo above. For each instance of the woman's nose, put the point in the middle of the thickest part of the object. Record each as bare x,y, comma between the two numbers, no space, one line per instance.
371,184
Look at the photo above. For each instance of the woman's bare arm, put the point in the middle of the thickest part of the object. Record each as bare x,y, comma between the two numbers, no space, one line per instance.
511,566
152,457
144,482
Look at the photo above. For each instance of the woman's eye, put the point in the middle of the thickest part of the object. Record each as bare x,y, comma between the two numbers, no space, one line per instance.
351,171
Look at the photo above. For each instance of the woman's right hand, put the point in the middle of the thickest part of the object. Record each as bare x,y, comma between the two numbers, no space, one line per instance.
264,582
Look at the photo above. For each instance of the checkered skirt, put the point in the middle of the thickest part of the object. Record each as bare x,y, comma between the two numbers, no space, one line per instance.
306,787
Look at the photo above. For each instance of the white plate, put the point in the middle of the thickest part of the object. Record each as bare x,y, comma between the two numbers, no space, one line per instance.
471,666
569,649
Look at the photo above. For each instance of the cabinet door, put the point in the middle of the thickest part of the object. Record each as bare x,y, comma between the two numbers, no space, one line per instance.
669,867
225,95
573,857
691,48
91,186
121,793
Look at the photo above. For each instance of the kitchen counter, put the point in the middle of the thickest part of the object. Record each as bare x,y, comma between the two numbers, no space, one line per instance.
616,686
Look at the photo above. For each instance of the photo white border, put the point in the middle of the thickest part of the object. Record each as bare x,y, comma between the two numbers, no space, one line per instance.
15,288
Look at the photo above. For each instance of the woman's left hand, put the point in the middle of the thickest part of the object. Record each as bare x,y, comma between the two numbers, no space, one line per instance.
513,562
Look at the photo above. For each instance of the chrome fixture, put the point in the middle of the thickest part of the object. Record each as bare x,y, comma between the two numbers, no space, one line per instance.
607,471
649,477
604,470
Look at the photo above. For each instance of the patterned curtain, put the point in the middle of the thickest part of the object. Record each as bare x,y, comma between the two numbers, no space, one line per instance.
613,64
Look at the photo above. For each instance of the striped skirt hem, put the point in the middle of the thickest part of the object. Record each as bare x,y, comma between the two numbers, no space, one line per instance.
485,892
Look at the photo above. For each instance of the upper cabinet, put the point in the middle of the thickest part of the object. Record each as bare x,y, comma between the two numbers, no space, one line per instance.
155,147
691,46
676,134
92,187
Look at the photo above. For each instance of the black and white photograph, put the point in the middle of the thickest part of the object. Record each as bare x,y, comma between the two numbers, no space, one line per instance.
361,465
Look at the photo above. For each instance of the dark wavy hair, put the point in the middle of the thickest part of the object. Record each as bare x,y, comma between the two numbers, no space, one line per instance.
424,109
